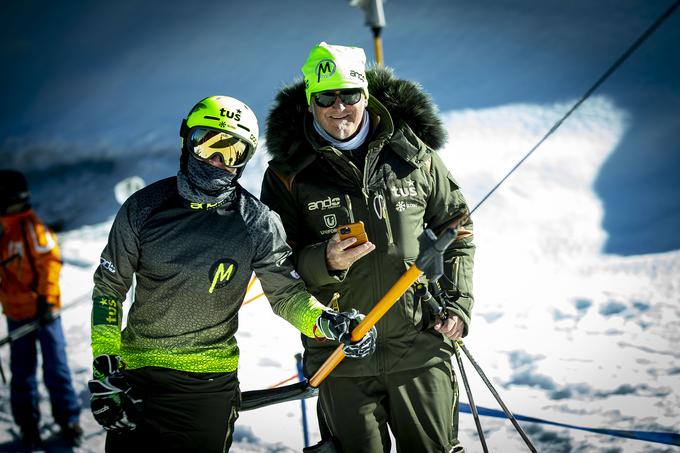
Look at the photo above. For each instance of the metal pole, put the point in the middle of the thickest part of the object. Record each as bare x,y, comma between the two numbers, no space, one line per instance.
377,45
375,19
301,377
473,406
496,395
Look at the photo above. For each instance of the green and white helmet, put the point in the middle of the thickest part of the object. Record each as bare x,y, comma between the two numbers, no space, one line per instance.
221,125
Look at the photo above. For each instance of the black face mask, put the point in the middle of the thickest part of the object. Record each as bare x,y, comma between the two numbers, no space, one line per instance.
200,182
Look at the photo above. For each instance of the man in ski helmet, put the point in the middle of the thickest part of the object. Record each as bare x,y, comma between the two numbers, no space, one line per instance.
351,145
168,381
30,295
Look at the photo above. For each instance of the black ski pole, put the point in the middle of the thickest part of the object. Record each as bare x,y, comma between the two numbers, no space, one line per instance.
34,325
471,400
496,395
20,332
6,261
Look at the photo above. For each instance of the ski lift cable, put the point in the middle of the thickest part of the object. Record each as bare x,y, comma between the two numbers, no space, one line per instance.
256,399
576,105
652,28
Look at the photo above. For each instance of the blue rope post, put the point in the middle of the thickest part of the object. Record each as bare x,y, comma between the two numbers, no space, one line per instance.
301,377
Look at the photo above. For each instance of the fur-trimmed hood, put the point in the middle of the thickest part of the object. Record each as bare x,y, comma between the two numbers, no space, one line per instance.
406,102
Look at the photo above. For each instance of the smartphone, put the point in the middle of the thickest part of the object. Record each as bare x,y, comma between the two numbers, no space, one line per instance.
353,230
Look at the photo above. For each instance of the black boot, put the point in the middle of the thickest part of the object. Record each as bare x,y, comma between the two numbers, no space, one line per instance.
30,437
72,433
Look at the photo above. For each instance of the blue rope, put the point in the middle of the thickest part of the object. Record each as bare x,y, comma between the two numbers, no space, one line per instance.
660,437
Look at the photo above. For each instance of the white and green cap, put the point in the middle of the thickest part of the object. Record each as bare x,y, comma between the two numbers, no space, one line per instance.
330,67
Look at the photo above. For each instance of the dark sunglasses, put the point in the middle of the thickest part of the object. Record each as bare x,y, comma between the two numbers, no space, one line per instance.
327,98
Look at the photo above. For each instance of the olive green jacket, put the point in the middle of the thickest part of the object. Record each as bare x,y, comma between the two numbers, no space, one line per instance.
401,187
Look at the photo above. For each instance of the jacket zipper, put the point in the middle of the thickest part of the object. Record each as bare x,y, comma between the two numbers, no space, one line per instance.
349,208
379,354
456,266
380,208
363,176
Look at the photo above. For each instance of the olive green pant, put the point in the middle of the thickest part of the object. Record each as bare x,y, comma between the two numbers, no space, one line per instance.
420,406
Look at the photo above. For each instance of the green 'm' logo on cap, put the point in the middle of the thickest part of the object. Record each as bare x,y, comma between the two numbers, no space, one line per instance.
324,69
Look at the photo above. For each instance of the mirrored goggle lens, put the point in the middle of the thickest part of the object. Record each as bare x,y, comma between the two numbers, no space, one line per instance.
327,98
205,143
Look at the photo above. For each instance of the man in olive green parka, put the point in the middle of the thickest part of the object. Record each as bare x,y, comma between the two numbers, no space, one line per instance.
351,145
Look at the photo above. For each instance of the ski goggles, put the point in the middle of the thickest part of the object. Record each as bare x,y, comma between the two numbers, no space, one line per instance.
205,143
327,98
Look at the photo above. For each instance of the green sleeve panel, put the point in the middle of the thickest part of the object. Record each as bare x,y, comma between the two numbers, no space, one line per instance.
445,204
302,311
112,280
208,360
105,340
107,315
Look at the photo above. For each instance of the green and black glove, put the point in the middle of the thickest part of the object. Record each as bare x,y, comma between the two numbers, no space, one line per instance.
339,326
113,401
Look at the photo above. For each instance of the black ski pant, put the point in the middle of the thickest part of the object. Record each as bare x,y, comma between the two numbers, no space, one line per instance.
182,412
420,406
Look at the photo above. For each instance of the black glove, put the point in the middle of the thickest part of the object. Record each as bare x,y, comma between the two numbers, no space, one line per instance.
44,312
113,401
339,326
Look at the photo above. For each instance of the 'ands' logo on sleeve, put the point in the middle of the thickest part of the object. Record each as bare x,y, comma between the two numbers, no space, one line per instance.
107,264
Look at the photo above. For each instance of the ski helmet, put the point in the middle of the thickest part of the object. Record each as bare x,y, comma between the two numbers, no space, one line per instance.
220,125
13,191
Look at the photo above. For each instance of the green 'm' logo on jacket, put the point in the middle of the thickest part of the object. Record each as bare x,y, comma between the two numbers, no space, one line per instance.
221,273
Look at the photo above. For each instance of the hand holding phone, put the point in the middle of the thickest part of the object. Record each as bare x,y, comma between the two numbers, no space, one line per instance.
355,230
340,257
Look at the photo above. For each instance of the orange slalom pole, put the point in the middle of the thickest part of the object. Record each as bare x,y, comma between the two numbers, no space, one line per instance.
284,381
252,299
373,316
408,278
377,45
252,282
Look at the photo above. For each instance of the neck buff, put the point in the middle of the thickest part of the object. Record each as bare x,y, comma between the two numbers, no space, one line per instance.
344,145
203,183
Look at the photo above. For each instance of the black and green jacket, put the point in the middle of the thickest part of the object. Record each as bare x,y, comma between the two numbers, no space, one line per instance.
192,263
399,188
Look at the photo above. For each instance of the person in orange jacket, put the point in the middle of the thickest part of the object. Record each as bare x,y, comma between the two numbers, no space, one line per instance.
29,293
